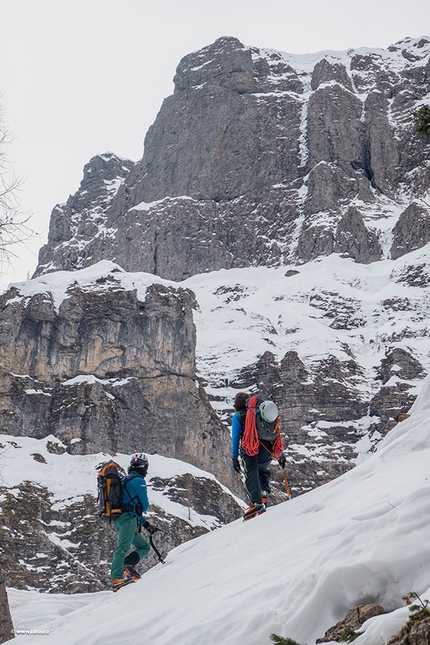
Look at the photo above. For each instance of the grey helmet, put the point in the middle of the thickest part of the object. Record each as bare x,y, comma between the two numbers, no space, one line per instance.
268,411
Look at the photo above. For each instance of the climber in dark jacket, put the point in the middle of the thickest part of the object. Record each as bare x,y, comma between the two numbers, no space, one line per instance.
256,467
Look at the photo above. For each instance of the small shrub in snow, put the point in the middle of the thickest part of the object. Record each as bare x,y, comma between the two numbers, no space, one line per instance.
280,640
348,635
419,613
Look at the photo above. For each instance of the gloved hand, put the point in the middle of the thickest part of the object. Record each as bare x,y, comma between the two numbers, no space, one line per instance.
236,464
282,461
151,529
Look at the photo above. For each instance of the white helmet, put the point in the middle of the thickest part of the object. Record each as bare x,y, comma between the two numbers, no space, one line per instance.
268,411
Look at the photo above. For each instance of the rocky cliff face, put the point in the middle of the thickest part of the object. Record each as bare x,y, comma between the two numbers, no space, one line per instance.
92,363
103,370
260,158
266,158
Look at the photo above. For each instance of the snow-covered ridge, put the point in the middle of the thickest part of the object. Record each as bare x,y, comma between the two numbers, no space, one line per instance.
403,54
263,309
102,276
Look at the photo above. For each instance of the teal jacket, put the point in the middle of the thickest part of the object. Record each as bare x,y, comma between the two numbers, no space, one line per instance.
134,495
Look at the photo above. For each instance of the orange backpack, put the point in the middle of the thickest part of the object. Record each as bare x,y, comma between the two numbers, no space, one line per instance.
109,489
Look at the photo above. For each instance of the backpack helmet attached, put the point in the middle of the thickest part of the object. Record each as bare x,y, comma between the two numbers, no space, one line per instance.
268,411
266,419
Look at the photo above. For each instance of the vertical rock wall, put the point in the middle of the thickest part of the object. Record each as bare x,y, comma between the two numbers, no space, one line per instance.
108,372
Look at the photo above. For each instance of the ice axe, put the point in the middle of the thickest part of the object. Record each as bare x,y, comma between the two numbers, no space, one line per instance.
151,541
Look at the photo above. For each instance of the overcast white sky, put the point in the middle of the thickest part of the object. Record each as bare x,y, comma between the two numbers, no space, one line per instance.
84,77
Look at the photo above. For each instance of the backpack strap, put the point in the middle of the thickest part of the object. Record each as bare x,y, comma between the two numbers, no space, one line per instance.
136,508
278,447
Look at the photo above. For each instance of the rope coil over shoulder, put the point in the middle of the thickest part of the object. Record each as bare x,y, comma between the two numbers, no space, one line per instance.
250,440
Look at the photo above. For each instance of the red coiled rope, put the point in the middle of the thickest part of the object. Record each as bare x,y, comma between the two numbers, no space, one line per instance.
250,441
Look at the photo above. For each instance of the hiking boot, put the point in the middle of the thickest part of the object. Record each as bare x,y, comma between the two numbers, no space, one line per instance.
131,572
253,510
264,494
121,582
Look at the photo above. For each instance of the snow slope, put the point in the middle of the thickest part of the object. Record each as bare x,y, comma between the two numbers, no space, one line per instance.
246,312
295,570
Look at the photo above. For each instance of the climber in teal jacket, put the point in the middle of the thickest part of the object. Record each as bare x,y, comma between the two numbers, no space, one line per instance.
128,524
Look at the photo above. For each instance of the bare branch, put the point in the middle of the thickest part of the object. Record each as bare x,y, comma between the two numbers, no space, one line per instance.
14,224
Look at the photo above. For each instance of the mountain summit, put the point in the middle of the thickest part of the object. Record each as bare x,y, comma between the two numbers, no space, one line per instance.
261,158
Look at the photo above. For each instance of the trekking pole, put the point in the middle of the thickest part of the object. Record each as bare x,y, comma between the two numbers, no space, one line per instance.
157,552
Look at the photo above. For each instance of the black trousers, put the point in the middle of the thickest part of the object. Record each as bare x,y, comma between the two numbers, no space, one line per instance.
257,473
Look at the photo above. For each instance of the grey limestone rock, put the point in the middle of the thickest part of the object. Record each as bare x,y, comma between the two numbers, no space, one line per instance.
226,63
324,72
6,624
107,372
84,216
401,364
335,130
354,239
382,156
352,622
254,144
419,634
350,237
412,230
